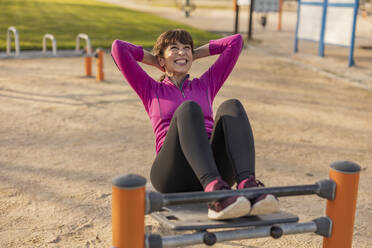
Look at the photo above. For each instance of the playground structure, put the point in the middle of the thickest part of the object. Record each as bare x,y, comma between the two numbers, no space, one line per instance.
130,201
86,52
261,6
331,22
16,41
54,43
187,7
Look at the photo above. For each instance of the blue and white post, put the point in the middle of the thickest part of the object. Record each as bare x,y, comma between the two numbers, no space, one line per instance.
328,22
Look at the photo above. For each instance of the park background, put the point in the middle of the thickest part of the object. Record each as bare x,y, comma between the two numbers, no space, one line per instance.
64,136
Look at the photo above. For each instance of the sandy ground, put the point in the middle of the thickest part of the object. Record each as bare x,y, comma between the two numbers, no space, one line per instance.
63,137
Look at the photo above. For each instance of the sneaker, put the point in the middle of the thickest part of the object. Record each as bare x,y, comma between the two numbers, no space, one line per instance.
227,208
263,204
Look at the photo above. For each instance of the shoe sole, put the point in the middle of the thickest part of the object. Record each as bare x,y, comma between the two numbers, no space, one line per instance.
241,207
267,205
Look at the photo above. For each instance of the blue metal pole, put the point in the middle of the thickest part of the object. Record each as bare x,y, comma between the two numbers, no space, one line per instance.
322,32
351,53
297,24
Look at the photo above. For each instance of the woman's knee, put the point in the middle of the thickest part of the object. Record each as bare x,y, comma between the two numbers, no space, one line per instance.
190,108
232,106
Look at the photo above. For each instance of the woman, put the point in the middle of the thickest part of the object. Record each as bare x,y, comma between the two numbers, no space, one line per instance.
194,152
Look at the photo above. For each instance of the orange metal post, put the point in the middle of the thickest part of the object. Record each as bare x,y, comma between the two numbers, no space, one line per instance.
128,211
280,15
364,14
88,66
342,209
100,53
234,5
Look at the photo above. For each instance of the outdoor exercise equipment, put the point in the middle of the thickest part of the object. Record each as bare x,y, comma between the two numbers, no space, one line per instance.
54,43
187,7
261,6
330,22
16,41
188,211
43,54
87,52
99,54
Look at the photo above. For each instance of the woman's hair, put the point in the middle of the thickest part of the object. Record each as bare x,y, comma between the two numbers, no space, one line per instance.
171,37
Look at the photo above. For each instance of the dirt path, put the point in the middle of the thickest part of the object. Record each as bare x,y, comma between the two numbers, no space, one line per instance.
63,137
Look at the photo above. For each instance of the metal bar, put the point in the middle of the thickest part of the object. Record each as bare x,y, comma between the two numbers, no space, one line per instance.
9,42
250,20
323,27
236,27
298,228
351,52
181,240
87,46
342,5
250,233
54,43
280,15
199,197
295,48
312,3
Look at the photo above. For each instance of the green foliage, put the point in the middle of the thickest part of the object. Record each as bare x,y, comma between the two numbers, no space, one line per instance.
101,21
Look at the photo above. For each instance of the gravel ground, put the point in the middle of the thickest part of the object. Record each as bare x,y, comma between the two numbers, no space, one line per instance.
63,137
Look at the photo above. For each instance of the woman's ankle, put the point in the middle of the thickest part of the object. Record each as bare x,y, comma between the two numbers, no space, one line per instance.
216,184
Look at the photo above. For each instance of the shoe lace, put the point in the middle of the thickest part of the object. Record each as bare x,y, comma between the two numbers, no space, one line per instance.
222,185
253,182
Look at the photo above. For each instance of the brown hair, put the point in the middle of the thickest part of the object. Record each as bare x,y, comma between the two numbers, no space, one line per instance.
168,38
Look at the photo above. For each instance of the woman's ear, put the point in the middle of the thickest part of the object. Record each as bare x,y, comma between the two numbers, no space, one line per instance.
161,61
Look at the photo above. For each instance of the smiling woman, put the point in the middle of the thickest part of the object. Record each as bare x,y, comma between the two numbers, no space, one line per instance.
194,152
174,51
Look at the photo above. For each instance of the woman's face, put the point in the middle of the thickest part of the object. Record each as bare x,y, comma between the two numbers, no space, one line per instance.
177,58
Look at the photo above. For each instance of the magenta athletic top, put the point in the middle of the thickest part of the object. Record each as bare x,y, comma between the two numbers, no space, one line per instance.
161,99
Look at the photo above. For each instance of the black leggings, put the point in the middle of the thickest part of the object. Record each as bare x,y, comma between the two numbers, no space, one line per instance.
188,161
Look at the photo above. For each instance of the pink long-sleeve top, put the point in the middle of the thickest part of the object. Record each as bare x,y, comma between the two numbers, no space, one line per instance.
161,99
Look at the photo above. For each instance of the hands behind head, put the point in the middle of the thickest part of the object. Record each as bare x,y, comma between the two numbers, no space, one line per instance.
150,59
157,65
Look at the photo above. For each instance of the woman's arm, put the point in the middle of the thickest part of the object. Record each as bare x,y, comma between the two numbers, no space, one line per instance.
126,57
229,49
201,52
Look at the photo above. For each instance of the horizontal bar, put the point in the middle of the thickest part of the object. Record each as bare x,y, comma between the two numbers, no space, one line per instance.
342,5
239,234
155,200
312,3
201,196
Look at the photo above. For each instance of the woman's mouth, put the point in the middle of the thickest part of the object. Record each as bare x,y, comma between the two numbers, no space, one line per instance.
180,61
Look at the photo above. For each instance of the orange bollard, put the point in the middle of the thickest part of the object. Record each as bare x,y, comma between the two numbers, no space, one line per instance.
88,66
342,209
128,211
364,14
280,15
100,53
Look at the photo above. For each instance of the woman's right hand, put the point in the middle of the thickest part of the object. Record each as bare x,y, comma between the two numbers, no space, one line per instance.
150,59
